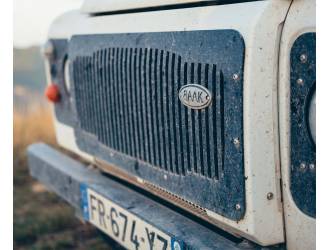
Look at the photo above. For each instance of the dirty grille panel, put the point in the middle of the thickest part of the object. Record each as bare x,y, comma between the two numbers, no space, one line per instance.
129,114
128,94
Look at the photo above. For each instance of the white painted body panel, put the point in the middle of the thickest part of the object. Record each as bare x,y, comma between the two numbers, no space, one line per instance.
300,228
99,6
260,24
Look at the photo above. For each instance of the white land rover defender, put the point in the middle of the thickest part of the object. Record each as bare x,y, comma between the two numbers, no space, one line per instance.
198,118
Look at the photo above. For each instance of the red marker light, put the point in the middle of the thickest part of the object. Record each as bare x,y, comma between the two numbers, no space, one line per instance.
52,93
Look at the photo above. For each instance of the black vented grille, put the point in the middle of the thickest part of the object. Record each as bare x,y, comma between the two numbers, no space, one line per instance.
128,98
128,112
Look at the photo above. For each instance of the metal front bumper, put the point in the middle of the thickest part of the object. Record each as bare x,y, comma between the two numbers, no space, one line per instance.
64,175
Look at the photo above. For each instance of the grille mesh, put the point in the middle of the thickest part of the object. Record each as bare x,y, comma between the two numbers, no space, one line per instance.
128,99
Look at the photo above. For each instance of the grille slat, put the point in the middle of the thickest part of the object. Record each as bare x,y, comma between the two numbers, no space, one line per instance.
186,130
88,95
93,106
117,103
144,121
166,112
177,117
207,159
98,101
139,104
146,104
138,89
160,111
198,131
135,102
80,76
109,95
154,110
121,101
113,99
213,122
126,108
131,102
103,96
175,109
191,123
159,84
150,106
122,98
172,135
169,110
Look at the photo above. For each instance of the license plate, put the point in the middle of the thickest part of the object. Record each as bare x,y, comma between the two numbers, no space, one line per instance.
123,226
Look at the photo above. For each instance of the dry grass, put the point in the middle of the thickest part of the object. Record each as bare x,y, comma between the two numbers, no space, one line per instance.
41,219
33,126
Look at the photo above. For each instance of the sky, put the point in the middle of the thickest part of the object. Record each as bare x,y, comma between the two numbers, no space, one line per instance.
32,19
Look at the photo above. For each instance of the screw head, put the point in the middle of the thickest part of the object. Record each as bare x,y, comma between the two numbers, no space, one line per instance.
302,166
311,166
300,81
235,77
303,58
236,141
238,206
270,196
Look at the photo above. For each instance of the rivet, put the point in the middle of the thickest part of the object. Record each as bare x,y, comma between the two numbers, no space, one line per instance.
311,166
270,196
303,58
165,176
235,77
300,81
236,141
238,206
302,166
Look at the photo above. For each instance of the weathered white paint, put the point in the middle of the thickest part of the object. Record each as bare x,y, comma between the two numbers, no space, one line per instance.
300,228
260,24
97,6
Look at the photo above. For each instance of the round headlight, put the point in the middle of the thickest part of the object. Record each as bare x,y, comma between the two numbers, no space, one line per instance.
312,117
67,75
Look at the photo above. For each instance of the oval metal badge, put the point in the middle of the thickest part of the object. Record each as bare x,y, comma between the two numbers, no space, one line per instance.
195,96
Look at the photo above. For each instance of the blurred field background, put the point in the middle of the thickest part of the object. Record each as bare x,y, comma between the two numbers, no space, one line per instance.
41,219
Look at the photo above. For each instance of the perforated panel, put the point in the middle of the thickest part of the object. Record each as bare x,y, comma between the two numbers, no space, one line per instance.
303,149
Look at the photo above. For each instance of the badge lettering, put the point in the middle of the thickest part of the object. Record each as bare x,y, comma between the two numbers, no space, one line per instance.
195,96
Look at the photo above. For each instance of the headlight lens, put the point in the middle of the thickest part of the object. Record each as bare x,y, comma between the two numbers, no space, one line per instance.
67,75
312,116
